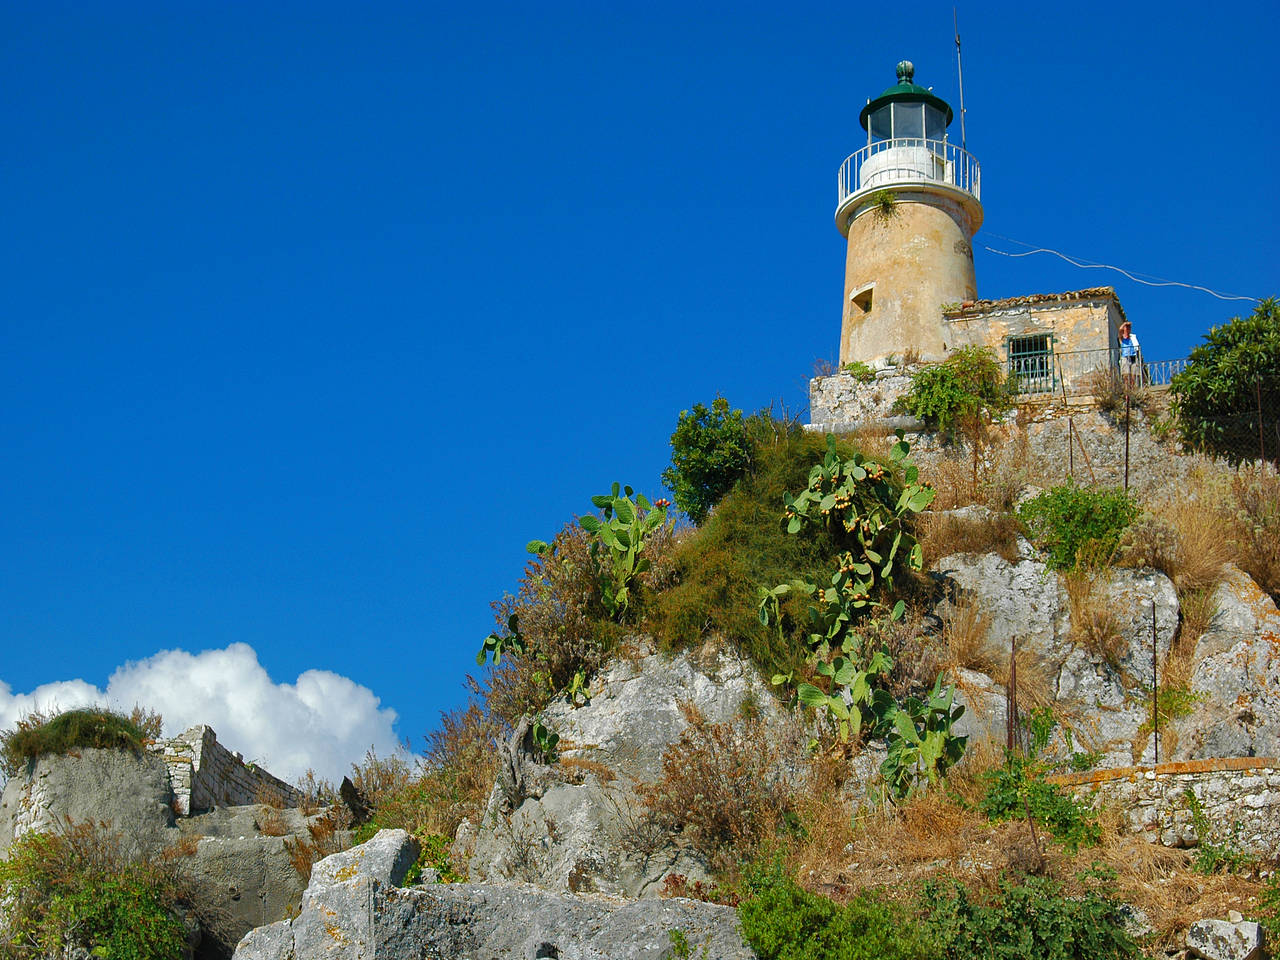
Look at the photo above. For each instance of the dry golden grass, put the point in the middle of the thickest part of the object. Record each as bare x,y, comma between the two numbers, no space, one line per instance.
1184,538
1254,511
268,796
952,478
271,822
1094,624
818,852
185,846
942,534
327,835
1160,881
1002,472
1198,608
965,633
933,835
576,769
720,786
967,644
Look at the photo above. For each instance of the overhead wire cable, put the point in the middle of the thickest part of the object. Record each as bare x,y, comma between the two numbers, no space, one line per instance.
1091,265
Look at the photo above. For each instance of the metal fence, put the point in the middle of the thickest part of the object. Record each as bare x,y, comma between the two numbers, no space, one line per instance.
905,160
1080,372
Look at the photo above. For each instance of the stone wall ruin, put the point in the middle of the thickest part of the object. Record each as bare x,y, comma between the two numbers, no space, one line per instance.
204,774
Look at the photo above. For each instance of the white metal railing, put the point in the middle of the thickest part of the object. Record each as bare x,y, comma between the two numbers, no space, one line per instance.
906,159
1080,371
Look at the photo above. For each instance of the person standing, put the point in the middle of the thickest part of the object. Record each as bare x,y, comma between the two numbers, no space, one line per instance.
1129,354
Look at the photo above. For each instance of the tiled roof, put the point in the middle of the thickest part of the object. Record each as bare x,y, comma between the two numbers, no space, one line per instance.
976,308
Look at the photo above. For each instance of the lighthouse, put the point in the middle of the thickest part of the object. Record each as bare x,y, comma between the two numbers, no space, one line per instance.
909,203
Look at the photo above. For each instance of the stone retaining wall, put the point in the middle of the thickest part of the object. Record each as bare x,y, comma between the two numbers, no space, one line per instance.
1240,798
1064,437
204,774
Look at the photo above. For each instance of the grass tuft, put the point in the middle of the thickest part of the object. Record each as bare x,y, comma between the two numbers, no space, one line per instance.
37,734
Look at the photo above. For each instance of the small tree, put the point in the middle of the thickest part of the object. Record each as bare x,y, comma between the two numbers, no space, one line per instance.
971,384
1232,378
710,451
962,395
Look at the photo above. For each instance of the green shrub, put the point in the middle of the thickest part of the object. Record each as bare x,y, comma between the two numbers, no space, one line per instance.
38,734
1067,520
782,921
1228,379
710,451
708,583
1031,918
1020,786
970,386
1255,517
1216,851
564,627
1269,905
1176,701
862,372
78,889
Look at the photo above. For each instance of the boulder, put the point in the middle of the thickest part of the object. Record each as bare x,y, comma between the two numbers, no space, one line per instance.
240,883
387,858
1024,600
1145,605
1224,940
127,790
1100,700
578,825
362,916
1236,678
986,708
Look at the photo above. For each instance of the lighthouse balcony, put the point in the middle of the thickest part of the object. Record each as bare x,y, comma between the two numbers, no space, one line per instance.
905,161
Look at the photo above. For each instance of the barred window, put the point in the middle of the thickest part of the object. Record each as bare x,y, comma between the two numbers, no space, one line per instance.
1031,362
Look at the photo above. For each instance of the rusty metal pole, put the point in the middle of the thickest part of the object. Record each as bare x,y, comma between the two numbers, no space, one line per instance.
1127,411
1012,695
1071,448
1155,684
1262,453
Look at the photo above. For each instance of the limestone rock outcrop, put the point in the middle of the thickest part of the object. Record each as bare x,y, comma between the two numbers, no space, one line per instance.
580,826
354,910
237,858
1099,693
1225,940
1236,678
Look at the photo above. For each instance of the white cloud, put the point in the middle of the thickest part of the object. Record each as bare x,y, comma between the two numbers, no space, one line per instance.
323,721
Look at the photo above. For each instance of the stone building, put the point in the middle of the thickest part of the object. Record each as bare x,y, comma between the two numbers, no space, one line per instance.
1050,341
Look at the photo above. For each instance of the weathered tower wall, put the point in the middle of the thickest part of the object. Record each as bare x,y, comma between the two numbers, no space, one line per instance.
904,262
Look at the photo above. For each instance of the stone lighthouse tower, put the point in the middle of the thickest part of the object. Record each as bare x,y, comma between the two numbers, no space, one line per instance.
909,206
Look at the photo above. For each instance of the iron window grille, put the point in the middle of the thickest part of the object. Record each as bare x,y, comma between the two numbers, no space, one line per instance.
1031,362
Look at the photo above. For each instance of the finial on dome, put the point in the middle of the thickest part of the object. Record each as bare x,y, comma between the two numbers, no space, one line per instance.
906,71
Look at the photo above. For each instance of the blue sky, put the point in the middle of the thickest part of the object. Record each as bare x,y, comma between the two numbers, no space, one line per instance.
315,314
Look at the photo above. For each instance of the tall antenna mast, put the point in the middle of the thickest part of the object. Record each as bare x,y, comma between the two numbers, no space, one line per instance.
955,19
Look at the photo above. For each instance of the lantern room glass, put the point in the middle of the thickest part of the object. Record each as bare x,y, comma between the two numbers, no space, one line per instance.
935,123
906,121
880,125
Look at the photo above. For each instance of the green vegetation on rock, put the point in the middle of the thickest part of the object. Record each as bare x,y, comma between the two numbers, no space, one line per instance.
1031,917
783,921
38,734
968,387
80,889
1073,524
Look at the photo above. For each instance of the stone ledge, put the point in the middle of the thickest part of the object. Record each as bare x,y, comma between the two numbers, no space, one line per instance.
1210,765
